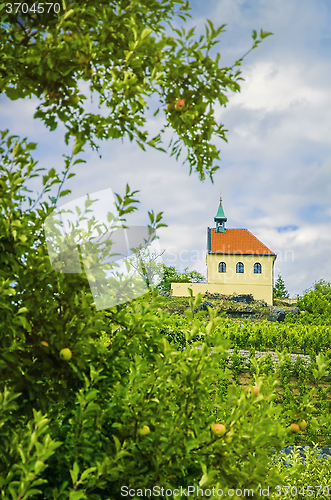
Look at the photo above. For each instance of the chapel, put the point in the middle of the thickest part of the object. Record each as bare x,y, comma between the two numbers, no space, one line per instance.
237,263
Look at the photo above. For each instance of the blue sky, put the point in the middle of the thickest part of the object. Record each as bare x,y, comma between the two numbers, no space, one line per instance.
276,167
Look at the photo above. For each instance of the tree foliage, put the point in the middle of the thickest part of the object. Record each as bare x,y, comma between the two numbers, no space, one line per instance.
316,302
323,287
279,290
171,275
120,53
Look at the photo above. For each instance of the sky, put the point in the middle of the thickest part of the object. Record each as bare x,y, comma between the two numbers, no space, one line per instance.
275,170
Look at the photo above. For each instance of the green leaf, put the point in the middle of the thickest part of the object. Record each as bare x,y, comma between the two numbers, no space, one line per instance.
119,199
79,160
210,25
158,217
145,33
264,34
24,322
222,99
78,147
12,93
190,33
74,473
17,150
39,466
77,495
117,444
22,309
87,473
32,492
65,192
151,216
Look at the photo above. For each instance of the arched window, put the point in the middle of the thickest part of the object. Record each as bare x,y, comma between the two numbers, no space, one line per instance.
240,267
222,267
257,268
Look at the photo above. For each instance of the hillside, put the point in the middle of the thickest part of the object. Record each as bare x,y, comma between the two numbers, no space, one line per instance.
236,306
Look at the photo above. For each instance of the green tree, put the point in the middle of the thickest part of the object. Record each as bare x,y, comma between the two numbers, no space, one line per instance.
128,52
280,290
322,286
316,301
171,275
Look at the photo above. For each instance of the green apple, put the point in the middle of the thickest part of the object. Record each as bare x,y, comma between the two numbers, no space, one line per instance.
73,100
303,425
69,38
144,430
171,106
81,58
65,354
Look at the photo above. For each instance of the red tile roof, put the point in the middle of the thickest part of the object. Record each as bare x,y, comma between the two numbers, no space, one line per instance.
239,241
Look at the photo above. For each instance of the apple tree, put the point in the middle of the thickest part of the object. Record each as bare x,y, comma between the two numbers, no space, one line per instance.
122,54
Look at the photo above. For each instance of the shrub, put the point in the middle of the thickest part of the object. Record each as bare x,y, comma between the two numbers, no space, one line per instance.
307,474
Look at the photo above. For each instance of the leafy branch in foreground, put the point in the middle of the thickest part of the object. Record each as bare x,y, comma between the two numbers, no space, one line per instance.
125,53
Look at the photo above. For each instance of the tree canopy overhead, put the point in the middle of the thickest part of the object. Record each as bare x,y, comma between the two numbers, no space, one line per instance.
123,50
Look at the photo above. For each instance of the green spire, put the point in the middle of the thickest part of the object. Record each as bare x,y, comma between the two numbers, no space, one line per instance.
220,219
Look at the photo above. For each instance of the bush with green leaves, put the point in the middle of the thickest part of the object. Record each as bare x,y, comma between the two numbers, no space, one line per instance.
316,303
322,286
307,475
315,306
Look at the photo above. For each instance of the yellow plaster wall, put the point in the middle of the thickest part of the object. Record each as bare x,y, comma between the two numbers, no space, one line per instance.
248,277
231,282
259,292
